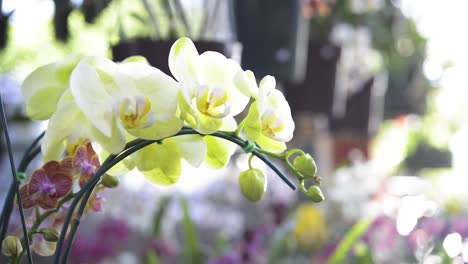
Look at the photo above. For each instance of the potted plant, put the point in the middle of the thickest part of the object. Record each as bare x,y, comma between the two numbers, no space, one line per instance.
150,27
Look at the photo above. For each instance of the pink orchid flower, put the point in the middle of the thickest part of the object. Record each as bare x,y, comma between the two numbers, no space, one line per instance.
85,163
48,184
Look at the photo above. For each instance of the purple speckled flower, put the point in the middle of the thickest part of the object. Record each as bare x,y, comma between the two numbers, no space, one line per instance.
85,163
48,184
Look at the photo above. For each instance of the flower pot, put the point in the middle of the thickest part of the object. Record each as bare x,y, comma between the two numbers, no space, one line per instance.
157,52
364,109
316,93
275,35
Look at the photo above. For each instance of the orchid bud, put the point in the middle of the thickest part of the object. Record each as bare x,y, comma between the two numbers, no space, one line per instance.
305,164
253,184
110,181
11,246
50,234
315,194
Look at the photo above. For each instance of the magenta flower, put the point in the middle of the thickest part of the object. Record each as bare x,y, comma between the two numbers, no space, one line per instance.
48,184
85,163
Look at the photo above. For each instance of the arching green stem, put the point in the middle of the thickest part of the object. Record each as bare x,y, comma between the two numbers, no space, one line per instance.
112,160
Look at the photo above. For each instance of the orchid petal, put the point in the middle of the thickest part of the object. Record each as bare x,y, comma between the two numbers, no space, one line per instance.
43,247
253,122
219,151
192,148
91,97
44,86
160,163
183,62
26,198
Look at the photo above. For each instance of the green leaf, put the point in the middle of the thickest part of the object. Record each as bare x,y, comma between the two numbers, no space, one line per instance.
159,215
278,243
349,240
191,252
363,254
152,258
139,18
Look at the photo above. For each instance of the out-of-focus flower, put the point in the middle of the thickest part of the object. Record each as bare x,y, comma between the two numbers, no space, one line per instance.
48,184
96,202
460,225
229,259
319,8
427,231
310,229
91,249
382,235
85,163
269,122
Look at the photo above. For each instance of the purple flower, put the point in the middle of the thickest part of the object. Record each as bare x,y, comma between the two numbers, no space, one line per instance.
48,184
85,163
460,225
382,234
228,259
427,230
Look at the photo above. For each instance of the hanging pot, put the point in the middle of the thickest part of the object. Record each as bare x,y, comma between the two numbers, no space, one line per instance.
157,52
274,34
316,93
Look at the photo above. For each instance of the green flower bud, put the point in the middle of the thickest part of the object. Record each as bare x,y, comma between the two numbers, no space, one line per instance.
305,164
253,184
315,194
11,246
110,181
50,234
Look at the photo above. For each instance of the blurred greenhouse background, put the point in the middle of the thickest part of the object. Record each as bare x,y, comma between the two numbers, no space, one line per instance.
379,92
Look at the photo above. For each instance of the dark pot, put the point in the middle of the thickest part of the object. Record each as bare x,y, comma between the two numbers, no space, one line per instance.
157,52
274,34
316,93
364,110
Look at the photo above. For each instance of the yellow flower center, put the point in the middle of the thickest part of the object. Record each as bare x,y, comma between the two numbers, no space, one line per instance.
212,101
135,112
271,123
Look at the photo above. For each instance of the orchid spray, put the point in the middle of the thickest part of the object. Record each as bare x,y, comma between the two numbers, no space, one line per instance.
106,119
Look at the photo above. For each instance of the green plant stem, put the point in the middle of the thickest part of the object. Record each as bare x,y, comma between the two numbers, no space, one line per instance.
250,161
32,151
112,160
15,180
41,218
291,167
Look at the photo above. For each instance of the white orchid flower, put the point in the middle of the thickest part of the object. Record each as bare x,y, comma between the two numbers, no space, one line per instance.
269,122
209,92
